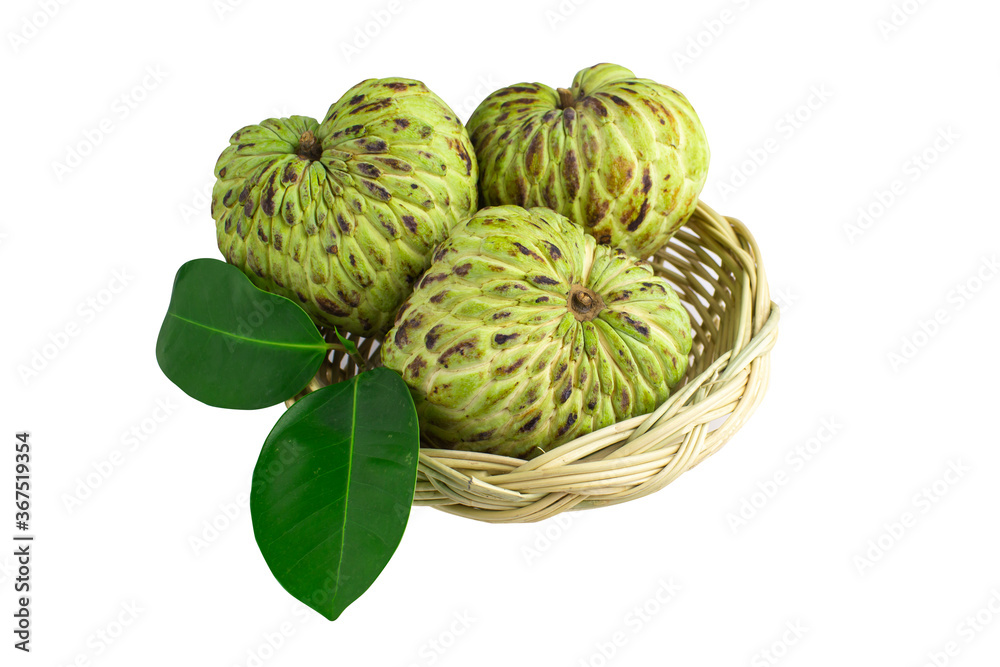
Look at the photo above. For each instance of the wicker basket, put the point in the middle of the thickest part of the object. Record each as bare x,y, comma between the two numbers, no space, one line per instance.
715,266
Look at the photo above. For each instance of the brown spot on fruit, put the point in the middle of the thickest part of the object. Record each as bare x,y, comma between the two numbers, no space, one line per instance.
511,368
368,169
459,349
544,280
526,251
432,278
565,393
595,105
638,325
402,337
634,225
529,425
464,154
331,307
570,420
430,339
376,190
414,367
395,85
596,210
439,297
343,224
571,174
500,338
374,145
463,270
410,223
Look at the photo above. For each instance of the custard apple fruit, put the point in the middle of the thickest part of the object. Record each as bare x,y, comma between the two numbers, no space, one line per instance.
342,216
525,333
624,157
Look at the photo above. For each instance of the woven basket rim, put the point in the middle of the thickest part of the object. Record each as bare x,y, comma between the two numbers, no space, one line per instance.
714,263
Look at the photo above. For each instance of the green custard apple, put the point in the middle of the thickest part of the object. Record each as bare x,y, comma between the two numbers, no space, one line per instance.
624,157
341,216
525,333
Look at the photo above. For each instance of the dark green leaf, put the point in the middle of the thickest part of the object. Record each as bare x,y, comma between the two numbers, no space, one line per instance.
349,345
229,344
333,487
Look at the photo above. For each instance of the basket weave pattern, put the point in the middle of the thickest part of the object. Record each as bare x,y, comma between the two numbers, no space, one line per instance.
714,264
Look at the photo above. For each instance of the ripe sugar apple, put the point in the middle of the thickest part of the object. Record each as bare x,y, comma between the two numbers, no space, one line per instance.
624,157
342,216
525,333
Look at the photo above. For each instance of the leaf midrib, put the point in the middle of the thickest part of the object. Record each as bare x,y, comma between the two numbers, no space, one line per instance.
305,346
347,485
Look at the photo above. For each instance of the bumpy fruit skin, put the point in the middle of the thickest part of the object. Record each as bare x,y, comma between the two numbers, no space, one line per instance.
525,333
624,157
342,216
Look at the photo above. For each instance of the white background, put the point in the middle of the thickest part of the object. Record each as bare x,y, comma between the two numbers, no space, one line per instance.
837,102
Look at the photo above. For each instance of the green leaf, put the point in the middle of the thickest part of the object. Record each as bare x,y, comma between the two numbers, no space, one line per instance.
231,345
333,488
349,345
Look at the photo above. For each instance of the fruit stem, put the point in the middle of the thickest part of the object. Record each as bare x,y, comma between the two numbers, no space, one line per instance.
584,303
565,98
309,148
